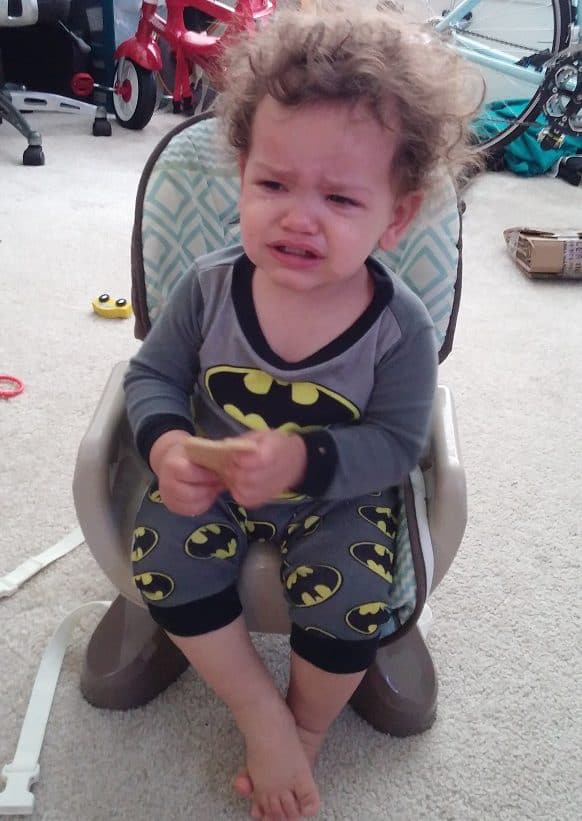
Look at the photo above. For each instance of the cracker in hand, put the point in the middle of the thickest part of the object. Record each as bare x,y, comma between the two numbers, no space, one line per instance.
216,454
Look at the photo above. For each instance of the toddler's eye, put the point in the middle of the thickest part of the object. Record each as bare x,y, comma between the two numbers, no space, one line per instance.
271,185
338,199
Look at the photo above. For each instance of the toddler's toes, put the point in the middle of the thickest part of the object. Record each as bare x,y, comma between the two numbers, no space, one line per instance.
242,783
256,811
307,798
274,810
290,806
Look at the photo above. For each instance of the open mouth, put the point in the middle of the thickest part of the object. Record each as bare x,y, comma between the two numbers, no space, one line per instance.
303,253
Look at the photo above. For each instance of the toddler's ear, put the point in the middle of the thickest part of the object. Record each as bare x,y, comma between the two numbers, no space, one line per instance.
405,209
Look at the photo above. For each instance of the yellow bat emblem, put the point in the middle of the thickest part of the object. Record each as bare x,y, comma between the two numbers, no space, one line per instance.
307,586
376,557
212,541
368,618
144,541
381,517
258,401
154,586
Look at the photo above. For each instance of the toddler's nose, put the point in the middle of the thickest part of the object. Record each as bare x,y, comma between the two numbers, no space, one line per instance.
300,219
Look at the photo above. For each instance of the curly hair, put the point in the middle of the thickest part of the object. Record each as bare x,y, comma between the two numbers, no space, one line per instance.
377,57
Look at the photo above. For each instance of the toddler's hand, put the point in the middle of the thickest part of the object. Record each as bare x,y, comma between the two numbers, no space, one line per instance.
274,466
185,488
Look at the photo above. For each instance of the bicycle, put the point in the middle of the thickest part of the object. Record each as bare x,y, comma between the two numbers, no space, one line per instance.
530,56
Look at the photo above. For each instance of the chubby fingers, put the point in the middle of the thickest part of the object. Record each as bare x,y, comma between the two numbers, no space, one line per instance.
275,466
189,490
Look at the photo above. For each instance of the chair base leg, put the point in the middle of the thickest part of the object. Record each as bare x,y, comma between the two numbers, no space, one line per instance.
398,694
129,659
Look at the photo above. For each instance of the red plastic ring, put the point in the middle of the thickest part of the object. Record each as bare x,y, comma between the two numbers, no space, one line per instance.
17,386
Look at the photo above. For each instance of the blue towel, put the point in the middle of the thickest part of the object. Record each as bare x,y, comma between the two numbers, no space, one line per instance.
524,155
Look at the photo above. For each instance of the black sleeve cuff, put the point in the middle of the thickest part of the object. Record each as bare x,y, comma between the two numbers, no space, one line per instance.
333,655
321,463
199,617
155,427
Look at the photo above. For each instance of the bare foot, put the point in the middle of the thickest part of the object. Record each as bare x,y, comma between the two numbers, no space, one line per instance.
278,775
311,743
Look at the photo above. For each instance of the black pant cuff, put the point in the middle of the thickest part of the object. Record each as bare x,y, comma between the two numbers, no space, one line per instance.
333,655
201,616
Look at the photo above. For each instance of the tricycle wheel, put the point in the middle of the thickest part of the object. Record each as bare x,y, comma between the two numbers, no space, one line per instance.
134,97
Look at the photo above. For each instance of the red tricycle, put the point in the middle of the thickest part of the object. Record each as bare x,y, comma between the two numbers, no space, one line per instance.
140,57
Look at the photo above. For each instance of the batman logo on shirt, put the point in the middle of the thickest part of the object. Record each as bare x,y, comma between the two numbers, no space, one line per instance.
309,585
368,618
211,541
381,517
376,557
154,586
144,541
258,401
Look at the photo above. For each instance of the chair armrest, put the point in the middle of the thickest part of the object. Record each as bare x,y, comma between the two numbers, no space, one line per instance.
108,483
446,485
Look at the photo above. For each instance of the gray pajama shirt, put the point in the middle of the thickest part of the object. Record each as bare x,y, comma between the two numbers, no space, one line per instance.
362,405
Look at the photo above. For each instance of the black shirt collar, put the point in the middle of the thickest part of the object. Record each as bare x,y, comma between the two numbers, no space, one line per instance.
242,297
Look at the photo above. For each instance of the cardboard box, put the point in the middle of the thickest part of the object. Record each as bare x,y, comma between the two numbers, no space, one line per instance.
546,254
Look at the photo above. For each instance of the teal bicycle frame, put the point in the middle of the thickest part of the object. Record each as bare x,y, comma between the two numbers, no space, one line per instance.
484,55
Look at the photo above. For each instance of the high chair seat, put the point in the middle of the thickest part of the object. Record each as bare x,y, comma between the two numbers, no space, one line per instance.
187,206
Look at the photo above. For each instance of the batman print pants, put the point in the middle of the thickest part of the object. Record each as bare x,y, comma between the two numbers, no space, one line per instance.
337,561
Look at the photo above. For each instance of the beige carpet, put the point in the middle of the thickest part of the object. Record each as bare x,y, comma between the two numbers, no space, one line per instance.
506,636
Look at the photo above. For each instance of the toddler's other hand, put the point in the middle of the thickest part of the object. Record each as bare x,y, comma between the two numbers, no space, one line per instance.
275,466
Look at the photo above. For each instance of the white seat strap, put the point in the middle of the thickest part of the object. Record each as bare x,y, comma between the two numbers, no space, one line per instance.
23,771
10,583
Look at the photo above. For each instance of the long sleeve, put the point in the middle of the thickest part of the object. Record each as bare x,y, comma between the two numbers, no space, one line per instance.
162,375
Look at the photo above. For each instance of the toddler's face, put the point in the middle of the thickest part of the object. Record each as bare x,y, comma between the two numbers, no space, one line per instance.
316,193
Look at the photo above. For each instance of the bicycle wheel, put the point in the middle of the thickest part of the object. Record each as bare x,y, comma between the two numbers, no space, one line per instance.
519,31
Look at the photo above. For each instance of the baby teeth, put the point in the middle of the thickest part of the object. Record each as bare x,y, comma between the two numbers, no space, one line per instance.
295,251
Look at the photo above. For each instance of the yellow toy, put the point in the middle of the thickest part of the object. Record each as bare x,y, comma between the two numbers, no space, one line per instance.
105,305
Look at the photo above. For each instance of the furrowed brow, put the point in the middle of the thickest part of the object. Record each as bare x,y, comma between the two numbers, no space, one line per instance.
270,170
345,187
